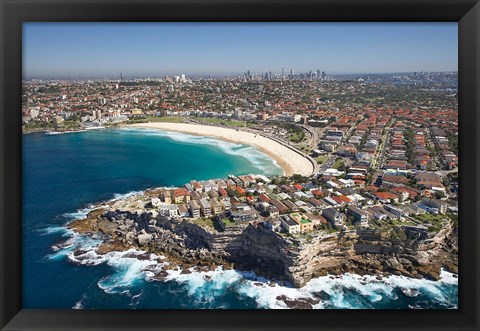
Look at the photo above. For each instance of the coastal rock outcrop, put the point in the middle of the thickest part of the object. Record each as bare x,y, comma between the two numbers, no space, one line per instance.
403,250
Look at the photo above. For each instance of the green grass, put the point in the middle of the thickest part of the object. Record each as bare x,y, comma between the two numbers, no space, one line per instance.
321,159
434,222
169,119
297,137
338,163
408,223
234,123
39,125
228,222
203,222
430,218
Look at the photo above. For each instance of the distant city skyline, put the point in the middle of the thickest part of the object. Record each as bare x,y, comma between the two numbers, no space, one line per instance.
155,49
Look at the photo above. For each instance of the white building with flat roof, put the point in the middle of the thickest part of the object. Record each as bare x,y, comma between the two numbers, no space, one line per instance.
169,210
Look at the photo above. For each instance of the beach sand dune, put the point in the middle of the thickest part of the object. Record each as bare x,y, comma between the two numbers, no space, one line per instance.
289,160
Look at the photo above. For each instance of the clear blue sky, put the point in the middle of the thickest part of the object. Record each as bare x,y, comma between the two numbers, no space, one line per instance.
152,49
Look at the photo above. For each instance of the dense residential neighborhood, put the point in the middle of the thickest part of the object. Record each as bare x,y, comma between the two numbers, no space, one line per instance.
299,205
380,160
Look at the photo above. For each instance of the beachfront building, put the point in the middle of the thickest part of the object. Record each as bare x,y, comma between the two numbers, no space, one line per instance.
289,224
194,195
244,216
215,206
394,210
156,202
205,207
167,196
222,192
213,194
196,185
334,217
183,210
181,195
208,186
360,216
305,224
436,205
194,209
273,224
170,210
378,213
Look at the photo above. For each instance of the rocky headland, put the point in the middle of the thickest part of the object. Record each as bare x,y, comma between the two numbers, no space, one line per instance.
403,250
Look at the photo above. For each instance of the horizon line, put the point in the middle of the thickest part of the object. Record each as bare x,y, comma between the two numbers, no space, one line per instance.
218,75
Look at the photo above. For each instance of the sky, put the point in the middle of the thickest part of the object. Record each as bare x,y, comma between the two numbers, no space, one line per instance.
156,49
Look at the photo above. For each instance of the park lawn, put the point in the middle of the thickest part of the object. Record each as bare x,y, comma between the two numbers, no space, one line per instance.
222,121
169,119
338,163
228,222
297,137
321,159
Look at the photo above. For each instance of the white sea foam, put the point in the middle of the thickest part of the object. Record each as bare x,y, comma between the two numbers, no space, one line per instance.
79,214
79,303
68,247
83,212
53,229
206,287
118,196
127,272
258,159
128,268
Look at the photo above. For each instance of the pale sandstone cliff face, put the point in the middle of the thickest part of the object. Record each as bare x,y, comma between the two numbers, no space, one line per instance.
416,254
409,251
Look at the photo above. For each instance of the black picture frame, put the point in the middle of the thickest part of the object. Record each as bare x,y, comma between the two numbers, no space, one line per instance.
14,12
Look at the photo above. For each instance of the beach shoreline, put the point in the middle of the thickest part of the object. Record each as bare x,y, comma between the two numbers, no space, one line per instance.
290,161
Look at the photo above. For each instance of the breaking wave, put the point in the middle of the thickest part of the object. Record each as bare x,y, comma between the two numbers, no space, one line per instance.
133,270
260,160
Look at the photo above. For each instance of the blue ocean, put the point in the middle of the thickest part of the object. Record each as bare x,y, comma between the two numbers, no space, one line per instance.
63,175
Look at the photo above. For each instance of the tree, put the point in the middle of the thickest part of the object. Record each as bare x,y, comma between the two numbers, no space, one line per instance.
439,195
299,178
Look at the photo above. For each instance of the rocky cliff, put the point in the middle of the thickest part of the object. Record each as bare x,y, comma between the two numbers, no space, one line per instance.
410,251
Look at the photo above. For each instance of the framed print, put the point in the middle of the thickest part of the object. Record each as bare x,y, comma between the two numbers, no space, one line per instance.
270,165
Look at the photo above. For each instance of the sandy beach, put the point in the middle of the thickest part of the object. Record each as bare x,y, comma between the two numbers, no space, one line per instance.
290,161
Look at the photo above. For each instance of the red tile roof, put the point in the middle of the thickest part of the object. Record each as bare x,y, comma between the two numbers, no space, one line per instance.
386,195
180,192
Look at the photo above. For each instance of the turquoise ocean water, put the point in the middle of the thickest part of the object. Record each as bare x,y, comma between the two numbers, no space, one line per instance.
64,174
